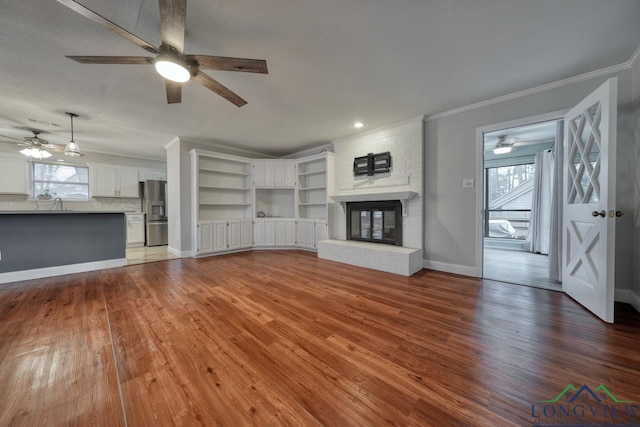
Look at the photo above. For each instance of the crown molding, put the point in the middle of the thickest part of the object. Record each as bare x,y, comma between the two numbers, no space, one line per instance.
635,57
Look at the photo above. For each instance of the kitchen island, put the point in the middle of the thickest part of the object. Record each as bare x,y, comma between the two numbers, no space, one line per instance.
35,244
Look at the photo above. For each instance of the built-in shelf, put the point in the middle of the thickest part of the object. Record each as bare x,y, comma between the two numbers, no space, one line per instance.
224,204
215,187
322,187
312,204
311,172
226,172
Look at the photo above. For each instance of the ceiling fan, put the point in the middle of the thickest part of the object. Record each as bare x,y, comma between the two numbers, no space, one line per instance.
36,147
505,144
170,60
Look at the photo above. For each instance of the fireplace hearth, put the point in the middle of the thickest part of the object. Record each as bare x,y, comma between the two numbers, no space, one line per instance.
375,221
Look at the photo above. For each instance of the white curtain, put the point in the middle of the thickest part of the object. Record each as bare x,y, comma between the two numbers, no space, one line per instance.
555,242
539,232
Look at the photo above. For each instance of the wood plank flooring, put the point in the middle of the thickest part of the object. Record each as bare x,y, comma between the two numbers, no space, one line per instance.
282,338
519,267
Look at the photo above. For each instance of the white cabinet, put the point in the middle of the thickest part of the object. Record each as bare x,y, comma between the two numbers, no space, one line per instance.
224,235
310,232
205,237
153,174
220,236
13,174
110,181
135,230
274,173
274,232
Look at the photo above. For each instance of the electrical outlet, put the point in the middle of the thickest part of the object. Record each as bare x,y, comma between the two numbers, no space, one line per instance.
467,183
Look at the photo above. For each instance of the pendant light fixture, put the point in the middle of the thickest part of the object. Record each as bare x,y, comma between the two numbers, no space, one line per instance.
72,148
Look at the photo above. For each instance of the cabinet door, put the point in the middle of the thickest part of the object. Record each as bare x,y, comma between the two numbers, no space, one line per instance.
246,233
290,232
309,234
321,232
300,232
289,174
269,174
103,181
13,175
270,232
235,233
258,174
128,184
220,236
280,232
279,172
205,237
258,233
135,232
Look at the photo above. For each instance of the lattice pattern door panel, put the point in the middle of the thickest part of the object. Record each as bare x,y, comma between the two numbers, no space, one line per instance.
584,156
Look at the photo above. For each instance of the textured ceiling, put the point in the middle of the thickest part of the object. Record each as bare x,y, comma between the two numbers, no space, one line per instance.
331,62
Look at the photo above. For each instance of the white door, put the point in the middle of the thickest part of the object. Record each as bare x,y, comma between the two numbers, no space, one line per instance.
246,233
321,232
588,225
258,233
205,237
290,232
220,236
235,234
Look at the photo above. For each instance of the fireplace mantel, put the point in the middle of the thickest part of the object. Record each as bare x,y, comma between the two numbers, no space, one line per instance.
403,196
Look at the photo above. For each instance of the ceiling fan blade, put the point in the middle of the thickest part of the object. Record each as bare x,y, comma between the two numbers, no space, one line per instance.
218,88
111,59
53,147
174,92
207,62
10,137
88,13
173,17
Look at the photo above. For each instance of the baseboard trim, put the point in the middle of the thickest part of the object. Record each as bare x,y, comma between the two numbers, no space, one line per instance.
629,297
180,254
61,270
462,270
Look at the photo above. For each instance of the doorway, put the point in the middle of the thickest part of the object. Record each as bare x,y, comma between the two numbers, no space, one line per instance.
520,196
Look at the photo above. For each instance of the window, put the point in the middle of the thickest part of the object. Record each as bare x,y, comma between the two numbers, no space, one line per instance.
508,192
64,181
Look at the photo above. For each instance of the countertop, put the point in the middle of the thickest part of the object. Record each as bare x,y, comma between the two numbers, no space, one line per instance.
54,212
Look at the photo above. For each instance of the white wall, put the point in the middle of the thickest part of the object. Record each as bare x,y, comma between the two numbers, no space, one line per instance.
405,143
635,214
450,155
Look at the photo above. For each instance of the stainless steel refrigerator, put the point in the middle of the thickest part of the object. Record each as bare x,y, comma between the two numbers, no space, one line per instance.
155,206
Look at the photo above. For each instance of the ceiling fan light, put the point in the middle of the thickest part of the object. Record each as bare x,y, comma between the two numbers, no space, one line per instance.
72,149
172,69
35,153
501,150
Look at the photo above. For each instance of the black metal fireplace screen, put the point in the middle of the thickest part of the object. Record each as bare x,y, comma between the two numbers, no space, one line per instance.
378,222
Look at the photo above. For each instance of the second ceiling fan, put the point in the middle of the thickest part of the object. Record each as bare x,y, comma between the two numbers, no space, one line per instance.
170,60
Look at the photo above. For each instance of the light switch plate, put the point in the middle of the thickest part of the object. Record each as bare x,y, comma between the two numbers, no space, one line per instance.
467,183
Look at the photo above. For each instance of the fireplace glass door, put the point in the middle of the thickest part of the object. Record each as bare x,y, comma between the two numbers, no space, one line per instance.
379,222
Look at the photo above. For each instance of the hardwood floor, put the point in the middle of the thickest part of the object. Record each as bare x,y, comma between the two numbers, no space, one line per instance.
282,338
519,267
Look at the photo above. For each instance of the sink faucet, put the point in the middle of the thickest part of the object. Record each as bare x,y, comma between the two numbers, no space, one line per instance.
55,204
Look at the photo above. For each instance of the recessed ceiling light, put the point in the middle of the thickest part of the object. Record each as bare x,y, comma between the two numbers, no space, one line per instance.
358,125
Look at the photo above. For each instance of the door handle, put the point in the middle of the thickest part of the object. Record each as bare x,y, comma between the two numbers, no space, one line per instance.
602,213
619,214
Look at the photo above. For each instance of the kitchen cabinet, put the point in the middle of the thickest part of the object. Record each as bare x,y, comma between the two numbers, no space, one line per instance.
110,181
135,230
13,174
153,174
271,174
